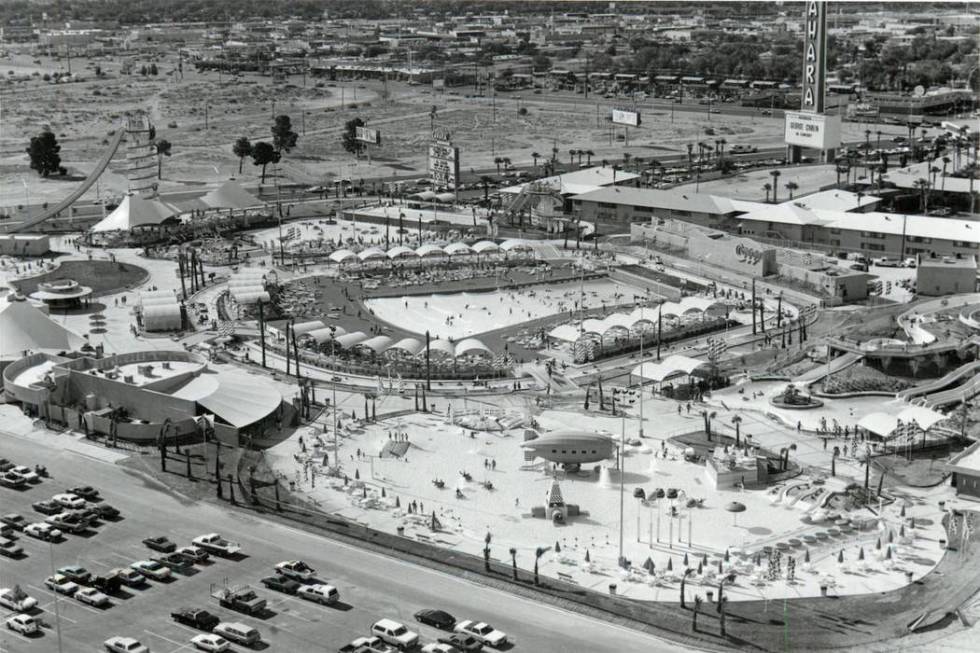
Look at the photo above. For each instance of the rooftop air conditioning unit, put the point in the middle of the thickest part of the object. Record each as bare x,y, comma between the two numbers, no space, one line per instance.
128,378
166,365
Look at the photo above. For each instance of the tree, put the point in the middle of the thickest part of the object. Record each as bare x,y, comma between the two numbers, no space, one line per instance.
349,137
791,186
263,153
540,551
242,148
541,62
687,572
535,156
153,69
775,184
737,421
485,180
283,136
513,561
768,188
697,608
497,161
43,152
588,157
163,147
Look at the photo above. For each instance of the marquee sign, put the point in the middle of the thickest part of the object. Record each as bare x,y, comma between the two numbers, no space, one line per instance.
443,164
368,135
812,130
814,57
625,117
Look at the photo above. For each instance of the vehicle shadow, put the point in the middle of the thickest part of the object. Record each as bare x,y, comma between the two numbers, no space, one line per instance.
258,646
340,606
265,614
122,595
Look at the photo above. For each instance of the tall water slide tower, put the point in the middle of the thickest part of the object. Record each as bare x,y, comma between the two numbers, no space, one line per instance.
141,163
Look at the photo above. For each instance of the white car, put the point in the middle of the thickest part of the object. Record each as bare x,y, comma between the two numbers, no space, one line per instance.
27,474
325,594
24,624
61,584
17,600
92,596
152,569
439,647
124,645
394,633
212,643
42,531
129,577
296,569
483,632
69,500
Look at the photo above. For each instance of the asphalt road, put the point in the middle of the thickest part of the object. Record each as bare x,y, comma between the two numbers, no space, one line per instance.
371,585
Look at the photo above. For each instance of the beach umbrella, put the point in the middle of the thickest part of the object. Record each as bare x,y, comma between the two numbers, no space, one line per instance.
649,565
357,474
735,507
557,547
903,510
364,493
888,553
383,493
587,559
700,568
398,502
727,556
891,536
861,553
806,555
840,557
670,564
685,560
704,558
901,531
878,544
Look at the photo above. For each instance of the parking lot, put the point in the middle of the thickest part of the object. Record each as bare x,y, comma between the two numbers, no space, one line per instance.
287,624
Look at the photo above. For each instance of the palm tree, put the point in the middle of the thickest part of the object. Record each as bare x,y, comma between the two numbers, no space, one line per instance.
540,551
513,561
579,154
163,147
833,461
697,608
506,162
922,184
626,159
946,160
767,187
791,186
535,156
588,157
497,161
737,421
687,572
571,156
486,551
554,154
775,183
485,180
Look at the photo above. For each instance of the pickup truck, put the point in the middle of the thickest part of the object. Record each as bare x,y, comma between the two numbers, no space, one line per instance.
214,543
242,599
68,522
366,645
200,619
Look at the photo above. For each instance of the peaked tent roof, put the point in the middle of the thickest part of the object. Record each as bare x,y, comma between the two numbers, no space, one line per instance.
22,327
230,195
134,211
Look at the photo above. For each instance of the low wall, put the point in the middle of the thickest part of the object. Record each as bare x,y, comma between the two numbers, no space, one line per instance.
670,293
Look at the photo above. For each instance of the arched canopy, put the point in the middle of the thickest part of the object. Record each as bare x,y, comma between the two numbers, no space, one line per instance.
410,346
456,249
426,195
566,332
515,244
881,424
325,334
470,346
486,246
442,346
401,251
430,250
350,339
377,344
252,297
445,198
305,327
341,255
371,253
671,366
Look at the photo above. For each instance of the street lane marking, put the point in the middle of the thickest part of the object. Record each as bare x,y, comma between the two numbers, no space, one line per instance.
166,639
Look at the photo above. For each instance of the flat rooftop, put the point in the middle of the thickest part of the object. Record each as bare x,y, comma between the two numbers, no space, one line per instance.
157,372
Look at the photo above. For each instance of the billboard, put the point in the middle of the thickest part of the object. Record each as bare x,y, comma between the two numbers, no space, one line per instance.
814,57
813,130
624,117
438,83
367,135
443,164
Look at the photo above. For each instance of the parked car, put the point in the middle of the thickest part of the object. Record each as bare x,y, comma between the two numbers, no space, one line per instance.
367,645
238,633
93,597
26,473
439,647
161,544
76,573
10,549
200,619
12,480
14,521
437,618
61,584
17,599
71,521
214,543
194,553
124,645
482,631
107,583
242,599
394,633
462,642
129,576
210,643
152,569
42,531
175,561
323,594
281,584
85,491
24,624
69,500
296,569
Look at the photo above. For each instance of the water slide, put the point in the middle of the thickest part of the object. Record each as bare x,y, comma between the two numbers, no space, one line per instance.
955,395
836,365
973,367
99,168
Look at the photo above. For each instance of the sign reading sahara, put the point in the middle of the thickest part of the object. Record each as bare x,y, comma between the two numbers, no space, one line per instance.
367,135
624,117
814,130
443,164
814,57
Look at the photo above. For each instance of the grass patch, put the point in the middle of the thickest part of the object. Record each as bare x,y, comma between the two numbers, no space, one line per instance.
858,378
103,277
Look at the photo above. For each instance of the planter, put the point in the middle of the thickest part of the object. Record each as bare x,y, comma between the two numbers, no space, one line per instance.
612,589
823,590
401,531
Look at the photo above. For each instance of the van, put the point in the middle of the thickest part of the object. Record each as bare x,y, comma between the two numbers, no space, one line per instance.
238,633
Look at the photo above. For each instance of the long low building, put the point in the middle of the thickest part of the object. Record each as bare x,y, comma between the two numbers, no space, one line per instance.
803,222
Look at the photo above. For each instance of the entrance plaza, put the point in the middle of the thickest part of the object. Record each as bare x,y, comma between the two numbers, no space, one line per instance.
392,468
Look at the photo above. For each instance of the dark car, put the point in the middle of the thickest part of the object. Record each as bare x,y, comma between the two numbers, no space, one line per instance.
108,584
175,561
15,521
437,618
281,584
47,507
200,619
161,544
466,643
105,511
87,492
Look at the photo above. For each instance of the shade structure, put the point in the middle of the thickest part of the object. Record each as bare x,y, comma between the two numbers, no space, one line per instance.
670,367
252,297
486,246
230,196
342,255
515,244
401,251
457,249
410,346
24,327
442,346
350,339
471,346
735,507
162,316
430,250
238,398
377,344
324,334
371,253
445,198
133,212
305,327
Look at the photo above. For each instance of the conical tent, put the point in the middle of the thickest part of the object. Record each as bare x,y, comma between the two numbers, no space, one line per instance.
24,327
134,211
230,196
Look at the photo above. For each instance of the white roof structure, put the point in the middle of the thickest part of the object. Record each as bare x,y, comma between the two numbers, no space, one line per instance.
471,345
486,246
884,424
236,397
162,317
566,332
630,321
341,255
515,244
456,249
24,327
323,334
301,328
410,346
371,252
134,211
671,366
350,339
580,181
230,196
442,346
430,250
401,250
377,344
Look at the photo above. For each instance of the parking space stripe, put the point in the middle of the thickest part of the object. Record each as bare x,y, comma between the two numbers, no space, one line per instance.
166,639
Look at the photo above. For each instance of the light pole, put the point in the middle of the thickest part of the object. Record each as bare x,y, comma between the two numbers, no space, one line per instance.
622,484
